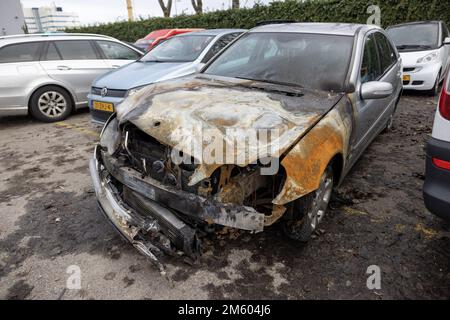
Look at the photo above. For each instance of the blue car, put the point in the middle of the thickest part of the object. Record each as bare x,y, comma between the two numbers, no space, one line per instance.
178,56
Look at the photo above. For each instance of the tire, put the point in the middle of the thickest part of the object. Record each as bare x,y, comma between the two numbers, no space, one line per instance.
310,209
390,123
50,104
435,90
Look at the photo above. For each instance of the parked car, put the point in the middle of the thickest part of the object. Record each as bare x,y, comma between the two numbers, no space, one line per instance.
424,48
320,91
156,37
179,56
437,175
49,75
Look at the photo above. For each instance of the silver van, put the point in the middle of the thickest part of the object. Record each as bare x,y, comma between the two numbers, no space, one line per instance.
49,75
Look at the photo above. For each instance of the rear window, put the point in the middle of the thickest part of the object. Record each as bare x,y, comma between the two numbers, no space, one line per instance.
20,52
76,50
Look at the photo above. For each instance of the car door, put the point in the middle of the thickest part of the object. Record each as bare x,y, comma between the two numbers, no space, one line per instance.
370,70
75,63
379,63
19,73
391,72
116,54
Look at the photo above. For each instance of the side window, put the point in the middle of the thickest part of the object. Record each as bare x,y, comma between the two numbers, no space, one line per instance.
387,53
117,51
370,68
76,50
219,45
21,52
52,53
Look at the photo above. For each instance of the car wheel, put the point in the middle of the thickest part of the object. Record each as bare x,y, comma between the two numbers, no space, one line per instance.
435,90
310,209
50,104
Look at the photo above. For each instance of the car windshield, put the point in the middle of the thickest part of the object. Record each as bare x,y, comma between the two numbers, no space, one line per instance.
315,61
178,49
415,36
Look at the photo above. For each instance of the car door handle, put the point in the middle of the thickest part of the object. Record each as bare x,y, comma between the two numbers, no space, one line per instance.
115,66
63,68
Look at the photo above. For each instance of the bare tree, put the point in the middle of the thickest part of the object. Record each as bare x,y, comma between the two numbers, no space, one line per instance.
235,4
166,8
198,6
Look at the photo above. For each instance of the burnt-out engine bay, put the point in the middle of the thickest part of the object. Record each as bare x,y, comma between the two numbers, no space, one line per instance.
184,213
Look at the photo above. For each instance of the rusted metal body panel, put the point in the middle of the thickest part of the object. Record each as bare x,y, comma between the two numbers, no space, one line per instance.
307,160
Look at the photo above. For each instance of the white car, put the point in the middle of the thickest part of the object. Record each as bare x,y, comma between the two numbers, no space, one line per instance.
424,48
437,176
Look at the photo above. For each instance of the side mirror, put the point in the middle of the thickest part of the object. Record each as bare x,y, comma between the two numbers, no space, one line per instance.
376,90
447,41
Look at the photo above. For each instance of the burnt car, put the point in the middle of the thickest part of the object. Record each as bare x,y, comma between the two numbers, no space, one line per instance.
261,135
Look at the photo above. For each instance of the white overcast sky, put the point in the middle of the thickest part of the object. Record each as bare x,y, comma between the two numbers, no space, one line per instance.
100,11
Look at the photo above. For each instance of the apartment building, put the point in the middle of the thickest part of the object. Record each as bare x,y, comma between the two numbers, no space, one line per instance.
49,19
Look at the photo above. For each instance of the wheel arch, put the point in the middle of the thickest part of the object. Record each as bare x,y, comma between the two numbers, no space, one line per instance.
337,163
62,87
305,163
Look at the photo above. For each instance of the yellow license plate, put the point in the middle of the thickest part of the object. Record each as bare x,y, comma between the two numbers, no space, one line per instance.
406,77
103,106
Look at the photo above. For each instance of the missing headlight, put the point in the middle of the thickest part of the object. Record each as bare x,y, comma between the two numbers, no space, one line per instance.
110,137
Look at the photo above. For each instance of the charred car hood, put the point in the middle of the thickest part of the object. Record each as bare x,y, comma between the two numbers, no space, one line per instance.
179,112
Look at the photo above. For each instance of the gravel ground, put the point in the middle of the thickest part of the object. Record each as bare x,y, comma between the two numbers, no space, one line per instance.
49,222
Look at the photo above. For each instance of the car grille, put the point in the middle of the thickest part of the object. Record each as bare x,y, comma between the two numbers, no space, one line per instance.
110,93
408,69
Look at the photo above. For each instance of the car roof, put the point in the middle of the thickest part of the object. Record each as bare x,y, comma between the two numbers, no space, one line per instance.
4,40
346,29
212,32
413,23
164,32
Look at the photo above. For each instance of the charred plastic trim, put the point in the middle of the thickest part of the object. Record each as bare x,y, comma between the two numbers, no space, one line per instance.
149,233
210,211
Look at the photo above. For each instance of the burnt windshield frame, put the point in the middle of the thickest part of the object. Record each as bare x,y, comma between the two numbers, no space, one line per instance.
343,86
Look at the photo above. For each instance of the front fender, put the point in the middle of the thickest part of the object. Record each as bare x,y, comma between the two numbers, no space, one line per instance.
307,160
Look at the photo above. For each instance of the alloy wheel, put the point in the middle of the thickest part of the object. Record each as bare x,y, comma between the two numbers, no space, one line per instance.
52,104
321,200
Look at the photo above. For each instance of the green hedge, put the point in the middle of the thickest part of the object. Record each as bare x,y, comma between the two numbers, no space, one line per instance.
392,12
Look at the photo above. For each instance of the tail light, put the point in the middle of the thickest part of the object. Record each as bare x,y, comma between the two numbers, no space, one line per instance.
441,164
444,102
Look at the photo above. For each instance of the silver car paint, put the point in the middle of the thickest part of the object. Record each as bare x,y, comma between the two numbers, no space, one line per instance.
371,115
19,80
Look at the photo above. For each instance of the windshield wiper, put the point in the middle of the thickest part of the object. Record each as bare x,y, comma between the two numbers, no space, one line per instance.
174,61
282,83
292,91
407,46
